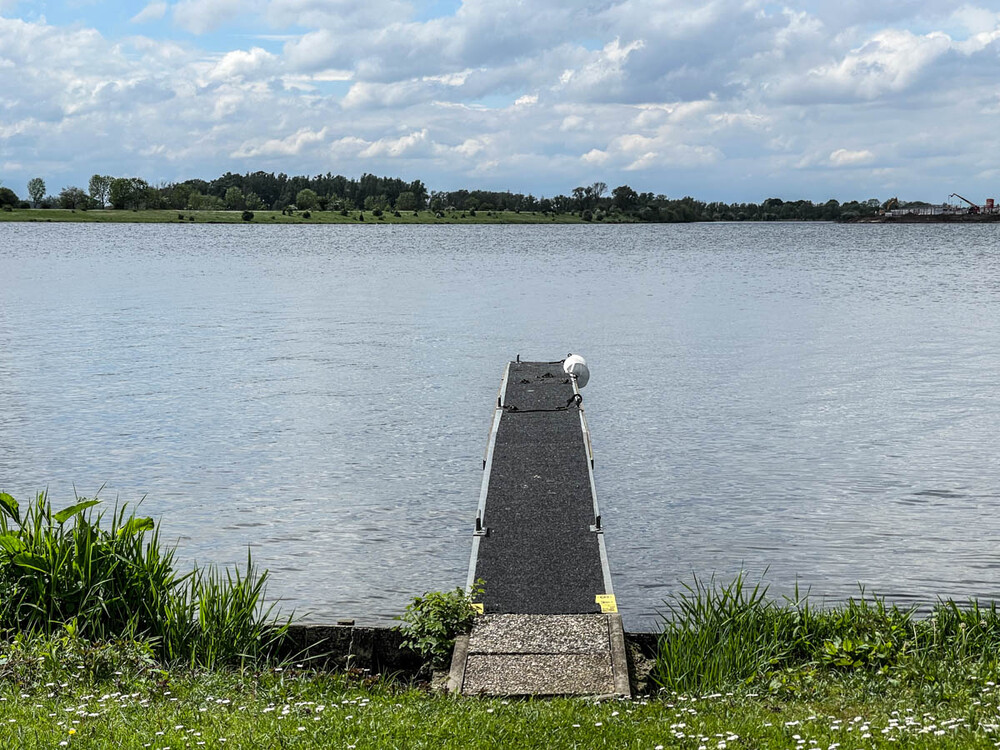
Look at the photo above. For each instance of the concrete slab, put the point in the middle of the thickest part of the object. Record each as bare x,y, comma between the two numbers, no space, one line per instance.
538,674
539,634
541,655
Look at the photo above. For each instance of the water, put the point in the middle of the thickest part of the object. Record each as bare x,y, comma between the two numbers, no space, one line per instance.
819,401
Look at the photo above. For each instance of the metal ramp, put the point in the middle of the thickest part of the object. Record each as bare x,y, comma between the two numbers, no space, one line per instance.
550,624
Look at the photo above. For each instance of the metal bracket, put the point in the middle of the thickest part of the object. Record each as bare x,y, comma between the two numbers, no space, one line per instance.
596,526
480,529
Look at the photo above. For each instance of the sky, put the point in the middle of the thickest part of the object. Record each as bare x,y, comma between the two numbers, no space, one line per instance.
734,100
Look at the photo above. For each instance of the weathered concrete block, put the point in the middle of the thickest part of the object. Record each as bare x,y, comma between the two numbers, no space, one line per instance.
540,634
538,674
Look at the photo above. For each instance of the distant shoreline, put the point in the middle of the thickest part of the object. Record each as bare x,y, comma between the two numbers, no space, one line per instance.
928,219
360,218
164,216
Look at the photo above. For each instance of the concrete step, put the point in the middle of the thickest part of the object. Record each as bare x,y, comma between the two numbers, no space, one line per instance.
514,655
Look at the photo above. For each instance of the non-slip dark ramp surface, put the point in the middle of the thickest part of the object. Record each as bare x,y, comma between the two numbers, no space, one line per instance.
540,553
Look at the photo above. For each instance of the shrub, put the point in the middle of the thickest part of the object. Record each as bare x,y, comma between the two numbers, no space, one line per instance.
377,212
306,214
434,619
7,207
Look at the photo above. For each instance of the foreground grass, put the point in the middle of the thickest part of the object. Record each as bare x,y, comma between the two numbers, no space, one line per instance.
289,707
276,217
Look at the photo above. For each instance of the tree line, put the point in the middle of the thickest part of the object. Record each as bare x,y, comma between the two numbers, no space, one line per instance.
280,192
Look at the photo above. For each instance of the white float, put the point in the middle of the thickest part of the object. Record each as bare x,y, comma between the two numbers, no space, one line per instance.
576,367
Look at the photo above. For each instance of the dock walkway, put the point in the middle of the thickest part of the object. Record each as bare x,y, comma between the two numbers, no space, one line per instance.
551,624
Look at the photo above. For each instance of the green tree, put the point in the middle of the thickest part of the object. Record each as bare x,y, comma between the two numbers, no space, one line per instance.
595,192
419,190
36,190
73,197
8,197
199,202
253,201
128,192
306,199
376,202
235,201
178,196
98,187
407,201
624,198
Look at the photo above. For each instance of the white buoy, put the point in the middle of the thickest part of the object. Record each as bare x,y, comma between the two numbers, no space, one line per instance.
576,367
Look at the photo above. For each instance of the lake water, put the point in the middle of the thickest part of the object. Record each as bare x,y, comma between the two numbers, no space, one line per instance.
820,401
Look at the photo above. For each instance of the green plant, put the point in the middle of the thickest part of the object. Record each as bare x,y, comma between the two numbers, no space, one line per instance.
434,619
222,621
61,571
846,653
713,634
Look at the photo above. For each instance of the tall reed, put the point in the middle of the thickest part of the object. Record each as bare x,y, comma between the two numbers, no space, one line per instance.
60,568
716,634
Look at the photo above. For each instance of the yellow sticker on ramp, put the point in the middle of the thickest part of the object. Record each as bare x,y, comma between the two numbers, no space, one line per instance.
478,607
607,602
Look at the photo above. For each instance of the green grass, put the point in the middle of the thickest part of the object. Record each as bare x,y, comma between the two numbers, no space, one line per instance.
80,572
276,217
715,635
120,699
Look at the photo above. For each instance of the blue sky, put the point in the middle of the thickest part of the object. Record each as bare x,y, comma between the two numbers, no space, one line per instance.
721,99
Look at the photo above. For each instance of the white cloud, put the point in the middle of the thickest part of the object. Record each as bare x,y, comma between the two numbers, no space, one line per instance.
405,145
889,62
843,157
604,70
471,146
976,20
243,64
334,14
202,16
152,12
292,145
